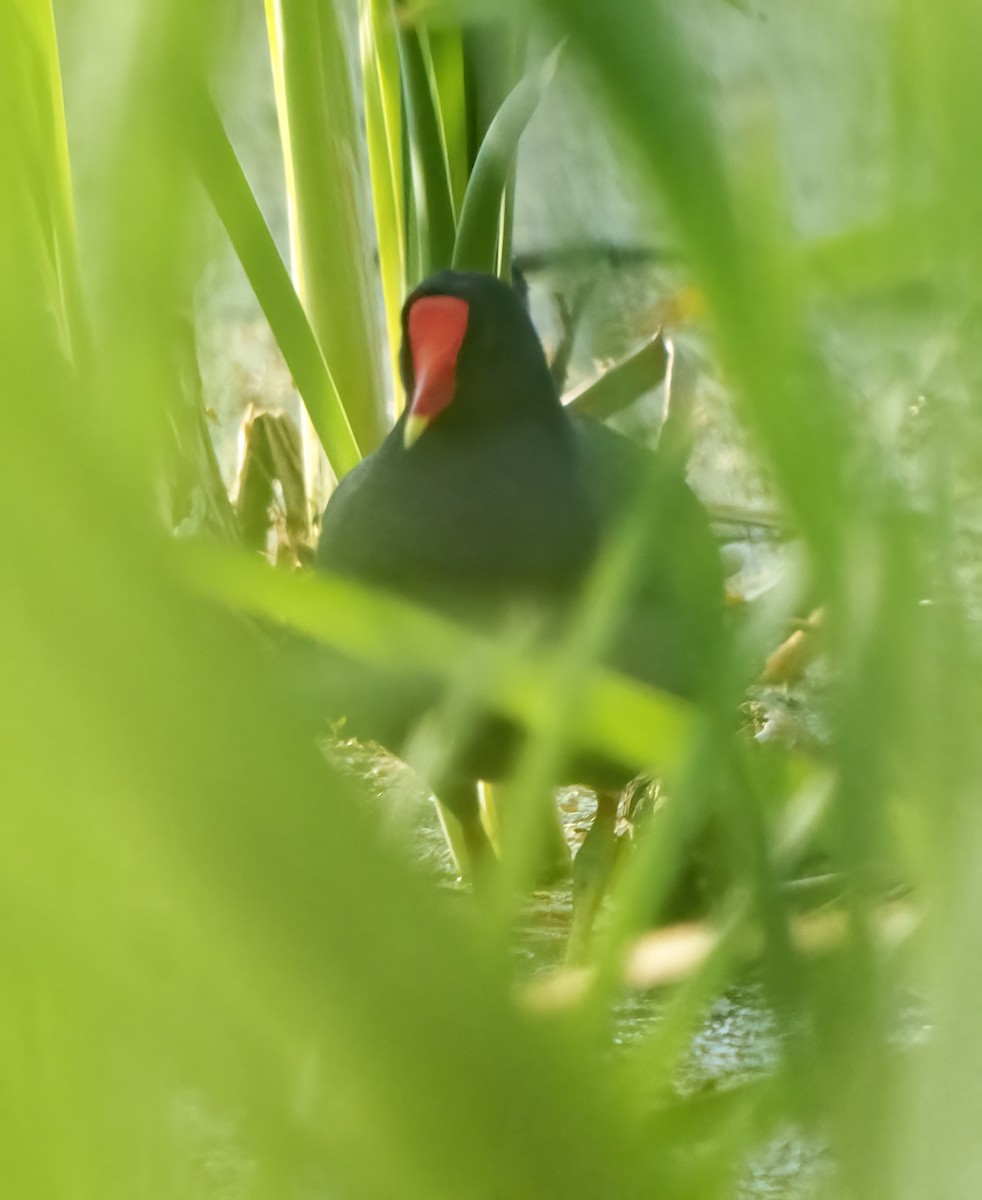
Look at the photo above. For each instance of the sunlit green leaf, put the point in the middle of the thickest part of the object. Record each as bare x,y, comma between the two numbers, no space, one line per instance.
327,176
475,248
240,214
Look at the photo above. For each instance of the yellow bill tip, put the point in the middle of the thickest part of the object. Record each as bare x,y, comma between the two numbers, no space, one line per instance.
413,428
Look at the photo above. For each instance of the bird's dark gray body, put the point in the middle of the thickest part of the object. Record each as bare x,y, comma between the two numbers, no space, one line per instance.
467,521
505,502
478,527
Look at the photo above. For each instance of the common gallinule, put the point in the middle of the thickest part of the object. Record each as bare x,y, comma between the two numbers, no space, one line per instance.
488,497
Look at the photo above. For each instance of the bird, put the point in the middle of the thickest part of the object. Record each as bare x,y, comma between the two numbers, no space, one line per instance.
488,497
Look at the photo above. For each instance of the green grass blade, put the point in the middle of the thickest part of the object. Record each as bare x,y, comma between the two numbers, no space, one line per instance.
434,215
35,120
217,977
477,242
383,131
253,243
443,50
494,61
622,384
731,226
328,191
615,716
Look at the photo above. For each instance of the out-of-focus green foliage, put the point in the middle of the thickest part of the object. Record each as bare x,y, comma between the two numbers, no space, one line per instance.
218,979
203,931
38,227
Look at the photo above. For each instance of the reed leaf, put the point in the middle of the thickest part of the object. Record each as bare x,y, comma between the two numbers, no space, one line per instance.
384,135
240,214
478,234
327,182
435,224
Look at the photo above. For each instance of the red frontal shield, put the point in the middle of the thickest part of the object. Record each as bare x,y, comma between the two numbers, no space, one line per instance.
437,325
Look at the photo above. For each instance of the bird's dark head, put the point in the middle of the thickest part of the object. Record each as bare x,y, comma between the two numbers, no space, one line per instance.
470,355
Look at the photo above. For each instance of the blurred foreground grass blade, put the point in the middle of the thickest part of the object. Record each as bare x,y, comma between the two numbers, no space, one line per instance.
208,955
658,94
590,634
741,264
143,174
477,241
253,243
199,920
434,214
615,716
940,141
382,89
42,206
937,139
880,257
328,190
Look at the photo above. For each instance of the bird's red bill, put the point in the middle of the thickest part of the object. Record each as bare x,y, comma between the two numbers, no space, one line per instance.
437,325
